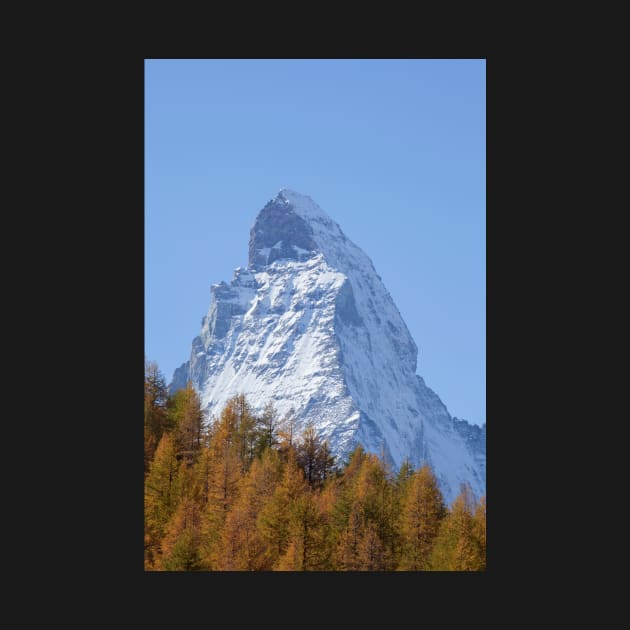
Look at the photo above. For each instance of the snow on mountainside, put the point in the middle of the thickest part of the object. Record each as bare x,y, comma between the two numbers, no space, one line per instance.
310,326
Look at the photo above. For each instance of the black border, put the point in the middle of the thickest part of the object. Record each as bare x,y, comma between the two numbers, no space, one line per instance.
110,351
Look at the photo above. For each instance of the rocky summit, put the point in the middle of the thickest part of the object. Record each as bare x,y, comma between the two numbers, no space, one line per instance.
310,326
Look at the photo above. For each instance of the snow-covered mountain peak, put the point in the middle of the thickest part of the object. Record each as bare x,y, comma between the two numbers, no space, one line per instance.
310,326
293,226
303,205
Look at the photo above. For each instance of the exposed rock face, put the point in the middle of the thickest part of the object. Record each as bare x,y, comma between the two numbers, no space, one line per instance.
310,326
279,233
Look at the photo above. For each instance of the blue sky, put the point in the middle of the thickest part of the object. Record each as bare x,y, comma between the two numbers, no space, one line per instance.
393,150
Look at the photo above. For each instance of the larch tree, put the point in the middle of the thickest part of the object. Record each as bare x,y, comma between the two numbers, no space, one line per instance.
242,495
275,518
267,426
162,492
400,487
314,458
345,513
180,547
187,419
305,534
353,466
364,513
456,547
325,532
222,478
375,496
245,432
422,512
371,553
479,532
286,434
156,419
202,471
349,540
244,547
326,462
405,473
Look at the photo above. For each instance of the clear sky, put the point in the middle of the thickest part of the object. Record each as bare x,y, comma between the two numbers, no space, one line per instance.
393,150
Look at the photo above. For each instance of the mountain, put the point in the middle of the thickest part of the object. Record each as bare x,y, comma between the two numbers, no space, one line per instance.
310,326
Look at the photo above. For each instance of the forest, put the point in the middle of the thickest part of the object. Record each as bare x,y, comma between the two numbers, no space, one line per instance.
247,492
